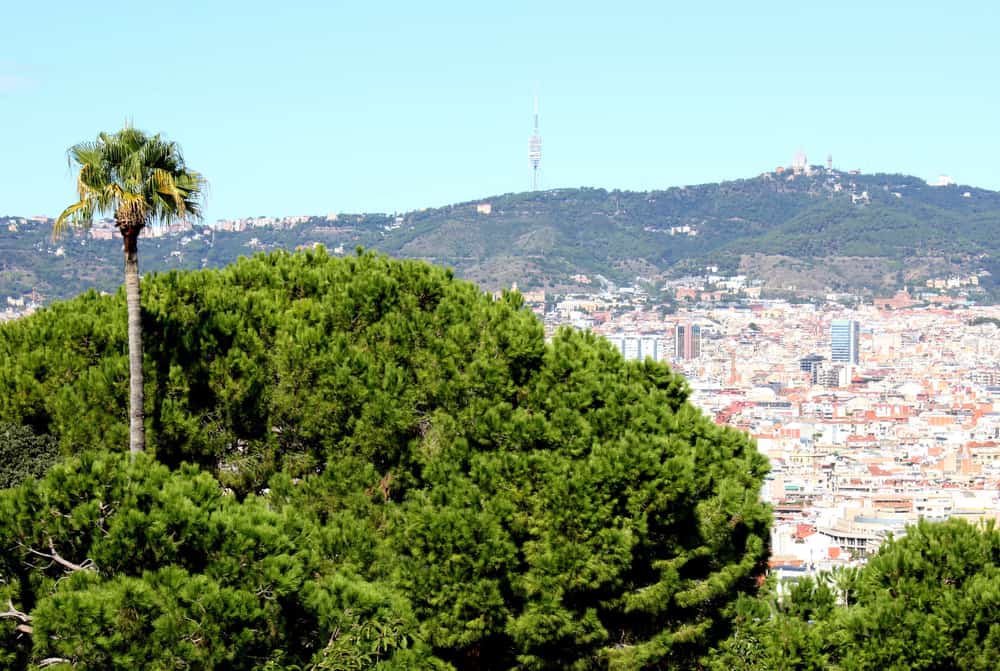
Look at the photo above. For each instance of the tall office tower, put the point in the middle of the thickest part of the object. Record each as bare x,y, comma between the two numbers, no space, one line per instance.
844,340
687,341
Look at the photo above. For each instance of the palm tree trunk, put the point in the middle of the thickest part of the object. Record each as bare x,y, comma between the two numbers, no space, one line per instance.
137,431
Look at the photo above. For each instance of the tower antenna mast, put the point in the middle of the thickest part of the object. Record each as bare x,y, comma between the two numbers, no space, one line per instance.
535,150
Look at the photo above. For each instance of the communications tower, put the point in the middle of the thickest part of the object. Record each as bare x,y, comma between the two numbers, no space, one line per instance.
535,150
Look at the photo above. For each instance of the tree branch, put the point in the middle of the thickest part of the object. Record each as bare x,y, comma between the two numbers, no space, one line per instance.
49,661
14,614
87,565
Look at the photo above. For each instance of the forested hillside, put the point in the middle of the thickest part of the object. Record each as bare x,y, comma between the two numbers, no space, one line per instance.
825,230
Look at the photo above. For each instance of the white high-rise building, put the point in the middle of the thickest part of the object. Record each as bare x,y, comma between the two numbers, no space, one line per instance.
640,346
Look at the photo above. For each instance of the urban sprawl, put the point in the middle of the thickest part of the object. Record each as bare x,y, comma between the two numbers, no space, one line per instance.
873,415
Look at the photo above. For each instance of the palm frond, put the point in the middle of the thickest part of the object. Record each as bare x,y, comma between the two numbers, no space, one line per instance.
132,175
80,213
84,153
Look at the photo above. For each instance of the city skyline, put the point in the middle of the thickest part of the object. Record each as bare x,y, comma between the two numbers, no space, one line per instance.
325,108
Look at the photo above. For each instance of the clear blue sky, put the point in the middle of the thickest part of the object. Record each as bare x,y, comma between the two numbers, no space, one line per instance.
313,107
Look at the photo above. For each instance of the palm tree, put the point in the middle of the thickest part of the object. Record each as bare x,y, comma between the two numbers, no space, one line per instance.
141,180
845,580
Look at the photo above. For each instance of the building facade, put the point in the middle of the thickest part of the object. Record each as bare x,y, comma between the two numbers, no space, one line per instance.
638,347
844,338
687,341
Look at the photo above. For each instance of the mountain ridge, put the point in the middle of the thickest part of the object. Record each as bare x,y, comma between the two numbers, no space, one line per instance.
806,232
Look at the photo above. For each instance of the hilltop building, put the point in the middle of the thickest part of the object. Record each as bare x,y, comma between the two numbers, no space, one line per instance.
800,163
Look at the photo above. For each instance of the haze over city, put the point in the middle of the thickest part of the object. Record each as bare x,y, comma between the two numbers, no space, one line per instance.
308,107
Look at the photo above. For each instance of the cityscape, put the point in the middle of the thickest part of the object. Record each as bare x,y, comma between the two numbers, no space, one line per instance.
872,416
500,337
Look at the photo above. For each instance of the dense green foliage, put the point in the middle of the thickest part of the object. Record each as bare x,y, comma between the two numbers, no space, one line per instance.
543,238
23,454
413,477
126,566
928,600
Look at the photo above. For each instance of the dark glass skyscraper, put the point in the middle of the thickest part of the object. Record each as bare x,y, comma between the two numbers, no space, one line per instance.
811,364
687,339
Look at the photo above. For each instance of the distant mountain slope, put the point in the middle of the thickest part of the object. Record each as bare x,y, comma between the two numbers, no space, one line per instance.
827,229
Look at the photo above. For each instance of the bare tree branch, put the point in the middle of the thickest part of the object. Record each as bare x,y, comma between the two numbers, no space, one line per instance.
14,614
49,661
54,556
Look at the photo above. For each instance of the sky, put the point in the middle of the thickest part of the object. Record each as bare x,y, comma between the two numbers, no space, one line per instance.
317,107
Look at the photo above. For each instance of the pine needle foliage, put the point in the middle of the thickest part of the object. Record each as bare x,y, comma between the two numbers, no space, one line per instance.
416,476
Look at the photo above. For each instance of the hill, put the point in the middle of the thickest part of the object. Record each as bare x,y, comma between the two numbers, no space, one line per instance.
825,230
